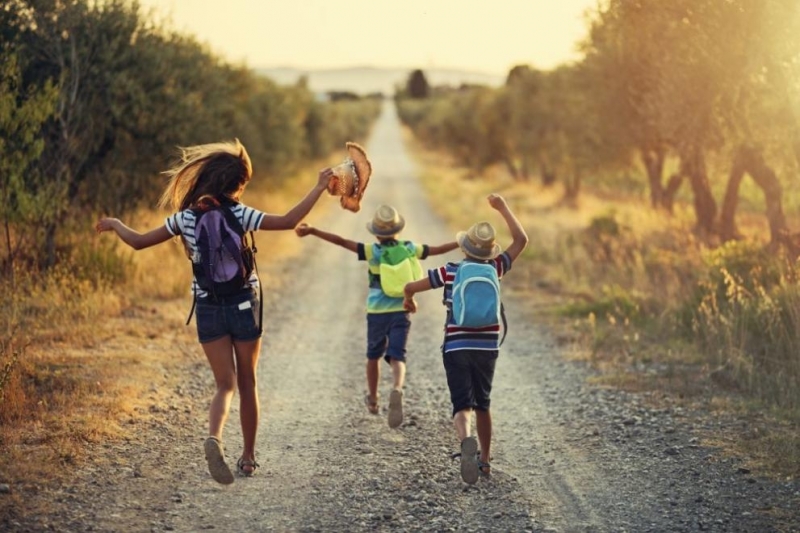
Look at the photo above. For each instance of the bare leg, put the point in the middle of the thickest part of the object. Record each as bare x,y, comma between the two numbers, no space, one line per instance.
395,416
462,421
483,421
398,373
247,353
373,376
220,356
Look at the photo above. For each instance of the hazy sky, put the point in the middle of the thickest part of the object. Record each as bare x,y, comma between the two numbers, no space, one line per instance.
482,35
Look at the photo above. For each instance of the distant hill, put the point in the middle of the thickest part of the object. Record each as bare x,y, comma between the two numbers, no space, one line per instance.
367,80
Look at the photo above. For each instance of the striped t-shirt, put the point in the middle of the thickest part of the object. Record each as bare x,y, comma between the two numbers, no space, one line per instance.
377,300
183,223
460,338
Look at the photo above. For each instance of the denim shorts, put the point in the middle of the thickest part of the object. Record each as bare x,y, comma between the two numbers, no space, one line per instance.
469,378
236,315
387,334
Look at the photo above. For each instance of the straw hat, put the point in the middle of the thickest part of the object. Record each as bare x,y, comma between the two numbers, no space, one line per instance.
387,222
351,177
478,241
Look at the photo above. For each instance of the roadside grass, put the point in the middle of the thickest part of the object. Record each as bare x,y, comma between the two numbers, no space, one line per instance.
648,304
88,346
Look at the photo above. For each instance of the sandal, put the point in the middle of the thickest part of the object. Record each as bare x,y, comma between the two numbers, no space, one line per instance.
216,461
246,467
372,405
484,469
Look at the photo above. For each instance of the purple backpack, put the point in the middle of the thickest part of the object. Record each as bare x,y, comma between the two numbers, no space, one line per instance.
225,259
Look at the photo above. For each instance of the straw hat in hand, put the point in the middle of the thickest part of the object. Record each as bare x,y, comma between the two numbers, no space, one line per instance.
351,178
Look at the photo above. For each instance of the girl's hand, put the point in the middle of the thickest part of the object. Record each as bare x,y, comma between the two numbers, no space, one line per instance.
105,224
324,177
410,304
303,229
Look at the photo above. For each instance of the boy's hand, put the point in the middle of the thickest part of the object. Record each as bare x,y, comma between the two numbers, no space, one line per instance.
497,202
410,304
303,229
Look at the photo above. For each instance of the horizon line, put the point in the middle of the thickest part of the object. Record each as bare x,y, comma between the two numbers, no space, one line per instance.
373,67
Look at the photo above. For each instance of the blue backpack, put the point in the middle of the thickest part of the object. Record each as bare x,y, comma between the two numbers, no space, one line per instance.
476,296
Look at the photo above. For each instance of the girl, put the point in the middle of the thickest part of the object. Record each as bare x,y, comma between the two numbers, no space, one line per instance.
227,328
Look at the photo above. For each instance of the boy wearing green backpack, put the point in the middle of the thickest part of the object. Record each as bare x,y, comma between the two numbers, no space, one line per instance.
391,265
472,329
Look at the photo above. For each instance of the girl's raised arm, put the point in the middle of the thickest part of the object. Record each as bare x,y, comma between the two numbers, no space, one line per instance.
299,211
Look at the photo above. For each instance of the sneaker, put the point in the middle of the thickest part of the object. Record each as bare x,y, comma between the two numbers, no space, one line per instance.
469,460
395,408
216,461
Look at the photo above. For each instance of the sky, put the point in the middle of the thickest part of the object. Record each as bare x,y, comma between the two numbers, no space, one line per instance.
489,36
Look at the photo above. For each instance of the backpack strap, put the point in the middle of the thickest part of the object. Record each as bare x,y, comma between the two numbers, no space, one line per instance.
505,323
194,304
232,219
260,288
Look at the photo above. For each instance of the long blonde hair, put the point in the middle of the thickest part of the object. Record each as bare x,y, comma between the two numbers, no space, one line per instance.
216,171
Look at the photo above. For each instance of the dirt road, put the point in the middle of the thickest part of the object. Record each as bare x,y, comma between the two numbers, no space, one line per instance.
568,457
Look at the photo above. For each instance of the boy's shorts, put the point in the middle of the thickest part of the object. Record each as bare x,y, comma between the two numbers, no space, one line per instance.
469,378
387,334
235,315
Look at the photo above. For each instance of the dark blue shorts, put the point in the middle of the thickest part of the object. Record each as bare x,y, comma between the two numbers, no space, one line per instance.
469,378
387,334
237,316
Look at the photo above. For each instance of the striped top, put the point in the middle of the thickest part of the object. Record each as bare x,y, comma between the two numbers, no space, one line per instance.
183,223
460,338
377,300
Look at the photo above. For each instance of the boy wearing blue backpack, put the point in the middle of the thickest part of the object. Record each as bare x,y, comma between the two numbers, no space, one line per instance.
392,263
472,329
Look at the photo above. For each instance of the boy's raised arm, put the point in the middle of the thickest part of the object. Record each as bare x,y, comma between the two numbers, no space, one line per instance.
442,248
518,235
304,229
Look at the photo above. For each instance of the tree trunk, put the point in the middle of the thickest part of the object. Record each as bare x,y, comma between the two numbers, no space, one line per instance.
653,160
572,188
668,195
50,245
750,160
727,222
705,207
549,177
